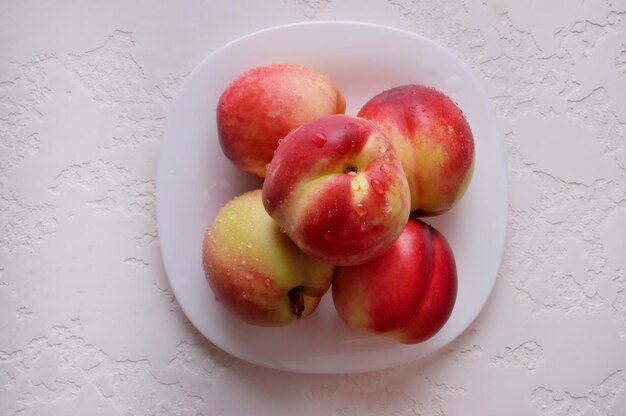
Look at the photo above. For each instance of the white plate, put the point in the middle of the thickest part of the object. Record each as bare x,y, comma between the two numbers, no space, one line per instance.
194,180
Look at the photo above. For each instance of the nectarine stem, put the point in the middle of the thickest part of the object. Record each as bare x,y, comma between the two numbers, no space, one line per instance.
296,298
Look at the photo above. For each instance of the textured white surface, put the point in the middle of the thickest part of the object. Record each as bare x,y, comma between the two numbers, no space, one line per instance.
88,324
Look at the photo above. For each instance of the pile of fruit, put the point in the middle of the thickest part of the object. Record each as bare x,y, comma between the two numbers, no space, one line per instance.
340,203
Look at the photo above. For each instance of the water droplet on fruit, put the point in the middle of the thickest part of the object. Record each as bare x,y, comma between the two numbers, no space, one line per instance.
388,207
377,186
384,168
249,245
243,261
249,276
360,209
267,282
355,185
319,140
382,148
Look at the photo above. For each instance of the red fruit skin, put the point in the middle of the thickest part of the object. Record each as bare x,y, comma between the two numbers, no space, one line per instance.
407,293
319,190
434,141
262,105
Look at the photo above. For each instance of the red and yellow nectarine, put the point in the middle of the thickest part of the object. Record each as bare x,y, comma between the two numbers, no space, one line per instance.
433,139
255,270
337,188
407,293
264,104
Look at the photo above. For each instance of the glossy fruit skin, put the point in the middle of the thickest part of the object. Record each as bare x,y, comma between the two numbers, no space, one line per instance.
264,104
434,141
337,188
407,293
255,271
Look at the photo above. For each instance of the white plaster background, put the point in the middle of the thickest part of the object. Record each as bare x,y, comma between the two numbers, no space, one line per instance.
88,324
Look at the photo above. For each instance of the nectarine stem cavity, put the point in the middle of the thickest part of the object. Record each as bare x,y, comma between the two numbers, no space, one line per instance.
351,169
296,299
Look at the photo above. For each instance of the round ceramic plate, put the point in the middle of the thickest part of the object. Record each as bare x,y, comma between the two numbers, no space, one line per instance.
195,180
